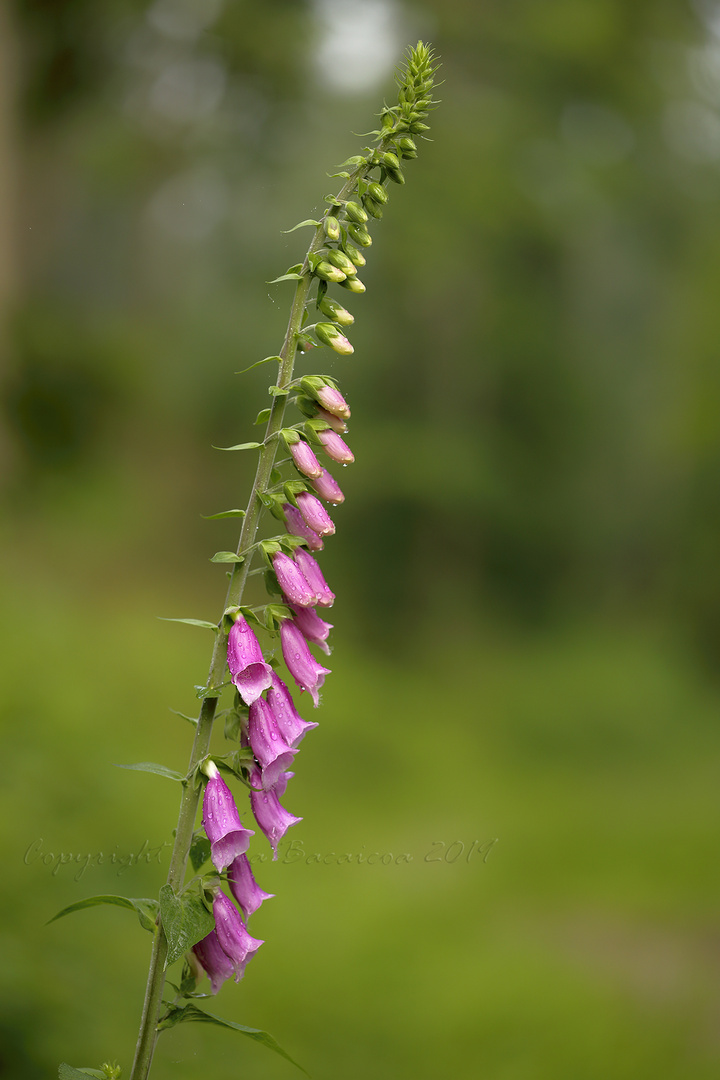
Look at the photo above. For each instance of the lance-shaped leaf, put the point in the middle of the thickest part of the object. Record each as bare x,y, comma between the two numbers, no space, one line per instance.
146,909
67,1072
240,446
227,557
265,360
153,767
300,224
193,1013
223,514
193,622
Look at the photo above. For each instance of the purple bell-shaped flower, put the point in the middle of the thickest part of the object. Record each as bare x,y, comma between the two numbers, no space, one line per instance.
221,821
250,673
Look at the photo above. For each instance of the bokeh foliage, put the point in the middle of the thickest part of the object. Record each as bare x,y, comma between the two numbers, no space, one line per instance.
526,566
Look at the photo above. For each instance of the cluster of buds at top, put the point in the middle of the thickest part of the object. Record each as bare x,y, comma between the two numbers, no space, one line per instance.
270,726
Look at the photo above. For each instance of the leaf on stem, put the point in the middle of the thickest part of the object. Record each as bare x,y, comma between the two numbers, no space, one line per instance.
241,446
192,1012
185,920
192,622
257,363
227,556
152,767
307,221
67,1072
224,514
146,910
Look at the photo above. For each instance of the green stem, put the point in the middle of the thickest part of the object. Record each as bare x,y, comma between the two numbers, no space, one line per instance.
148,1034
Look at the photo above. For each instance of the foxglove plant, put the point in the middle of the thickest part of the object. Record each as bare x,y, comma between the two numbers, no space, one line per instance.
198,920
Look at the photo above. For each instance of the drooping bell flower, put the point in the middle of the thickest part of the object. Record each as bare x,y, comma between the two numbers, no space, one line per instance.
250,673
244,887
314,576
297,526
273,819
313,628
304,459
291,725
302,665
214,961
270,749
328,488
221,821
235,941
315,514
292,581
335,447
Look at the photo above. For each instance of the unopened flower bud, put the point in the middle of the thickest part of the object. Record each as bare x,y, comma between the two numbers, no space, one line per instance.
329,335
332,400
378,193
328,488
407,147
355,212
336,448
317,517
304,459
336,312
373,208
341,260
390,161
353,284
328,272
335,422
360,236
353,254
417,128
332,227
396,176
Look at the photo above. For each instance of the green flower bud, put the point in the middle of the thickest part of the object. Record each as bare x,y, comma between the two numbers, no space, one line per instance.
396,176
332,227
330,335
417,128
374,209
353,284
390,161
360,235
353,254
355,212
336,311
342,261
407,147
378,193
328,272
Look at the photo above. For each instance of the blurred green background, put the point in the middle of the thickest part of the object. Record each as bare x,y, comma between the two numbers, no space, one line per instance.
528,613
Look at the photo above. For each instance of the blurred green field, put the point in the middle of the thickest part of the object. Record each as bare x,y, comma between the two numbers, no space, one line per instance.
580,943
507,865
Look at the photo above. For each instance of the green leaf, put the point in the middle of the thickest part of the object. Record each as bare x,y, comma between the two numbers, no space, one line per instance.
265,360
209,691
263,416
66,1072
146,909
285,277
227,556
185,920
278,391
193,622
190,719
152,767
224,513
307,221
240,446
191,1012
199,852
343,175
